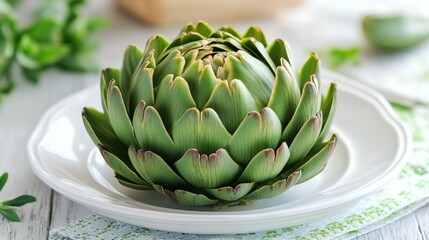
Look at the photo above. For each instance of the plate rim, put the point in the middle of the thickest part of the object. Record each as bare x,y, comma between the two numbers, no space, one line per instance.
186,218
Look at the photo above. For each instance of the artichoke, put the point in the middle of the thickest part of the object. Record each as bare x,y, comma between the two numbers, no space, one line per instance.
213,117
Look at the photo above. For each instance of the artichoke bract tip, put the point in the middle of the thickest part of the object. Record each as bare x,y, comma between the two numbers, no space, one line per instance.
213,117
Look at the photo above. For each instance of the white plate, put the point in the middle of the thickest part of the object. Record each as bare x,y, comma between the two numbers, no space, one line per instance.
372,149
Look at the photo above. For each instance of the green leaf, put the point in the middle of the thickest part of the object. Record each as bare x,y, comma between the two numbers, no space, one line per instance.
107,75
338,56
156,43
201,130
142,88
305,139
265,165
3,180
79,62
118,115
45,31
185,38
231,31
192,73
310,67
32,75
186,198
174,64
280,49
33,55
173,99
19,201
228,193
151,133
154,169
133,56
120,167
285,96
205,87
10,214
259,130
201,27
307,107
125,182
232,102
316,160
255,75
101,132
271,190
207,171
258,50
257,34
329,106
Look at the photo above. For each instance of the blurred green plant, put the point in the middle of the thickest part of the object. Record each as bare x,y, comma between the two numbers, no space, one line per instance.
58,36
395,32
338,56
8,207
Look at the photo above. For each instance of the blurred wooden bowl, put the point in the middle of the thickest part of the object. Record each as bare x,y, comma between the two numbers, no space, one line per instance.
162,12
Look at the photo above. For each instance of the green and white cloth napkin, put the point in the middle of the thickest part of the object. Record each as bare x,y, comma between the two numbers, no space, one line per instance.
409,191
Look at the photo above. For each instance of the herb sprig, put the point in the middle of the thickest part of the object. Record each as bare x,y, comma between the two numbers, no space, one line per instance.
8,207
57,37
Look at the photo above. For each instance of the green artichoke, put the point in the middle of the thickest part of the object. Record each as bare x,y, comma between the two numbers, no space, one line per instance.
213,118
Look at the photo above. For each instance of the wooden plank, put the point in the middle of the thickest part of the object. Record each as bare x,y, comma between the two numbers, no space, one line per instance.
65,211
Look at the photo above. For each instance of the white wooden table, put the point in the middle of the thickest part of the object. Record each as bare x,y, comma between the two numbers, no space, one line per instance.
20,112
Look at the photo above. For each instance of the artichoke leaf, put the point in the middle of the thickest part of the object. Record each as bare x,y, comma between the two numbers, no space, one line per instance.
186,198
257,34
207,171
231,31
141,88
121,168
153,169
310,67
259,130
100,131
232,102
255,75
132,58
191,75
275,189
205,86
107,75
118,115
157,44
228,193
190,58
173,99
329,106
258,50
185,38
201,130
174,64
280,49
125,182
305,139
223,35
265,165
285,96
317,158
201,27
151,133
308,106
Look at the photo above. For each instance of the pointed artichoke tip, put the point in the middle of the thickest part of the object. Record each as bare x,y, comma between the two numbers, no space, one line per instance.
314,55
269,153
